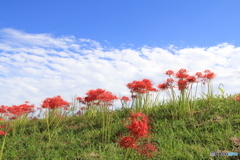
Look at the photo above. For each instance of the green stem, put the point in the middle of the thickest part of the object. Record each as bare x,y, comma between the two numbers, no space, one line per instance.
4,140
127,154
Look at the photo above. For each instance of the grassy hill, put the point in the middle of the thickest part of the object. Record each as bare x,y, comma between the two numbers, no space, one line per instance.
212,126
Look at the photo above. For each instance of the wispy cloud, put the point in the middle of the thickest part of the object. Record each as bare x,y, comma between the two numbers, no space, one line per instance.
36,66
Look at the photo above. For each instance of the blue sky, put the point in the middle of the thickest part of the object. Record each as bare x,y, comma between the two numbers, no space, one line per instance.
122,22
50,48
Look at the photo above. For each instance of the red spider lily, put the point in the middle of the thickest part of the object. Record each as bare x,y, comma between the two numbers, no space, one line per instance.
148,85
3,109
81,100
2,133
107,97
16,110
138,129
88,99
182,84
182,73
1,119
134,86
139,125
54,103
170,80
128,142
163,86
93,95
27,102
199,75
95,92
191,79
182,70
141,86
21,109
207,71
147,149
210,75
99,95
169,72
124,98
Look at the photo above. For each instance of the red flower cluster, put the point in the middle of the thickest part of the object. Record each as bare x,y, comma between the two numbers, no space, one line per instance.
2,133
139,125
182,73
191,79
138,129
141,86
124,98
163,86
182,84
208,75
55,102
20,110
98,95
169,72
14,111
128,142
184,79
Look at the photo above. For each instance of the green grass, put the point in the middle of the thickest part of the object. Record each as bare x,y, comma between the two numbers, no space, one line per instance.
208,128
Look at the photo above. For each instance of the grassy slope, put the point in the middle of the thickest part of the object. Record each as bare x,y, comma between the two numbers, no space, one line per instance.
79,137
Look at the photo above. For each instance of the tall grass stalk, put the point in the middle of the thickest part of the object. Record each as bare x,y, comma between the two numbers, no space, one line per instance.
53,117
144,101
3,144
106,117
20,122
127,154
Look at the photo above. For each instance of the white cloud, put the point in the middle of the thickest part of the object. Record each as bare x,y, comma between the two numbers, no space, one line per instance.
36,66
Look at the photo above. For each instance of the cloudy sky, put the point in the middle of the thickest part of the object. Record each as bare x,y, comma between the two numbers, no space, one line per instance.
50,48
